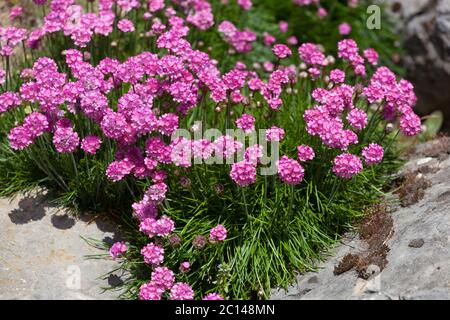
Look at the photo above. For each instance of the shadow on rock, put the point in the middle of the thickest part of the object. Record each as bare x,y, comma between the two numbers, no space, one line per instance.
31,208
62,222
114,280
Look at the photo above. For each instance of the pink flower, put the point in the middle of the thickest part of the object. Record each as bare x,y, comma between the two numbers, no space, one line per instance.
357,118
347,165
274,134
36,123
185,267
371,55
305,153
322,13
283,26
337,76
243,173
2,76
410,124
281,51
218,233
19,138
118,249
153,254
290,171
117,170
245,4
311,54
345,29
65,139
246,123
15,12
168,124
181,291
213,296
157,192
150,291
91,144
373,154
125,25
163,277
292,40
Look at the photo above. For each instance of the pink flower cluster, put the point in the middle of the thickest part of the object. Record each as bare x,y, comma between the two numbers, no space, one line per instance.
347,165
290,171
118,249
241,41
218,233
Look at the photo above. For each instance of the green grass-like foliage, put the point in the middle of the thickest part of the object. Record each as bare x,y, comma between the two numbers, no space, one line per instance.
275,230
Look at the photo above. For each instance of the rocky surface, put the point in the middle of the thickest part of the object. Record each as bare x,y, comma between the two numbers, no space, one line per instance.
417,248
425,25
42,254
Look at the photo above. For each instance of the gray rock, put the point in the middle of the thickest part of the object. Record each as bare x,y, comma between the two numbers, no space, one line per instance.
410,273
42,254
425,25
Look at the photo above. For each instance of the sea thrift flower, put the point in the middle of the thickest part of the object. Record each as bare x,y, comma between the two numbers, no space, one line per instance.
117,170
185,266
157,192
168,124
357,118
283,26
15,12
36,123
290,171
254,153
118,249
245,4
292,40
268,39
2,76
274,134
246,123
372,56
91,144
213,296
153,254
218,233
281,51
345,29
163,277
199,242
410,124
8,101
305,153
181,291
19,138
311,54
337,76
66,140
150,291
347,165
322,13
243,173
373,154
226,146
125,25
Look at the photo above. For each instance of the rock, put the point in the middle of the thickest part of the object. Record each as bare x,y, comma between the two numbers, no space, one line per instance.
416,243
42,254
409,273
425,26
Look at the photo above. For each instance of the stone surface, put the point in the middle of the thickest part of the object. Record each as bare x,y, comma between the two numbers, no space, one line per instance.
425,25
42,254
418,272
